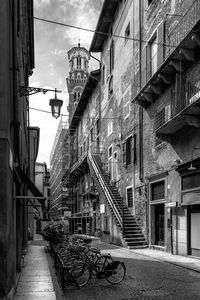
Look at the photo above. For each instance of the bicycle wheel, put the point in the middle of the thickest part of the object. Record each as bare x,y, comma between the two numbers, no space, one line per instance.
77,272
116,272
102,262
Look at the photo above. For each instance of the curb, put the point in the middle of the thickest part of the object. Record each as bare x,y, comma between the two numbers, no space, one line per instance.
56,285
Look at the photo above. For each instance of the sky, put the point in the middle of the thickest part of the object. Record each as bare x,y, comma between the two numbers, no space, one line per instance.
52,42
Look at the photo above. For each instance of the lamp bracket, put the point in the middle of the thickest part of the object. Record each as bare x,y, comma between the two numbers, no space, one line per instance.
28,90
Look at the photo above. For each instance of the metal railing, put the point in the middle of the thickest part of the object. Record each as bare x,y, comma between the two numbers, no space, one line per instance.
172,40
188,94
106,189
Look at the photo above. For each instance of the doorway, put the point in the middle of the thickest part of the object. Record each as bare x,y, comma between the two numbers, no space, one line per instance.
194,243
159,224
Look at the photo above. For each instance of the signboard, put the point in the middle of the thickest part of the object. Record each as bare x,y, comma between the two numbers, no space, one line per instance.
171,204
102,208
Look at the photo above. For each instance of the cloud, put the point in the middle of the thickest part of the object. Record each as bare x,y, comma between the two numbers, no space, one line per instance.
52,42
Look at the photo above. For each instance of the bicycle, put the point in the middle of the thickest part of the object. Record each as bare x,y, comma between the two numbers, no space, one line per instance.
102,266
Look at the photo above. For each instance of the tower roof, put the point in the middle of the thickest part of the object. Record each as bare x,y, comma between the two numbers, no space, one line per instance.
77,49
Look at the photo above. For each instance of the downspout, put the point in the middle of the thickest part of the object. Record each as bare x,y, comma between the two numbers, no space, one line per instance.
15,89
141,170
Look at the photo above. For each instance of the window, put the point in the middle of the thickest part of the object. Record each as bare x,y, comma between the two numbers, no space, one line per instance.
112,54
126,105
91,135
153,48
129,150
127,33
97,126
190,181
129,197
110,122
75,96
110,126
162,116
158,191
110,87
78,62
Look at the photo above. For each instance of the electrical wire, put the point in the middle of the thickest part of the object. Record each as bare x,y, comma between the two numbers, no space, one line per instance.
99,32
76,117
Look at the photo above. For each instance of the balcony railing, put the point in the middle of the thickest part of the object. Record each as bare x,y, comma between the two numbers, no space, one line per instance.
187,98
172,40
183,27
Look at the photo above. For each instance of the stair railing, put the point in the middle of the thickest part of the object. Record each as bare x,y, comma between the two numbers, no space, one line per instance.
105,188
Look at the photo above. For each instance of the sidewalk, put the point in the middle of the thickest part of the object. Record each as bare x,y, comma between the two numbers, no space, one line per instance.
35,281
188,262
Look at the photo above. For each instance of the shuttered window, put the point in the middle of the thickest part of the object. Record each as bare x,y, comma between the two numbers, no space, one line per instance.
129,150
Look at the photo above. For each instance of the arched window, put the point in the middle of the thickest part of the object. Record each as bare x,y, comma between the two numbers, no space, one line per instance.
78,62
78,96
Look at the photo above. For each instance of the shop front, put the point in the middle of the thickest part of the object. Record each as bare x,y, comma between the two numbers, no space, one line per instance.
190,199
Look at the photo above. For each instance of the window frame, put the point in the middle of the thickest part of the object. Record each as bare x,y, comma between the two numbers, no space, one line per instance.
127,199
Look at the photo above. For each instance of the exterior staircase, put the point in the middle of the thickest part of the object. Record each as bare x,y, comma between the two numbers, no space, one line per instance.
131,232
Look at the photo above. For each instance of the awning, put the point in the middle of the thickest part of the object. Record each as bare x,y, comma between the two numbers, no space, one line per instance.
30,185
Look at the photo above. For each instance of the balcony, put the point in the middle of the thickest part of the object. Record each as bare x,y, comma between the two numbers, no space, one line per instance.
181,47
184,110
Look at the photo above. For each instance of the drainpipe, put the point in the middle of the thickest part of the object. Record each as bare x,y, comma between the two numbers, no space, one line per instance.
15,89
141,171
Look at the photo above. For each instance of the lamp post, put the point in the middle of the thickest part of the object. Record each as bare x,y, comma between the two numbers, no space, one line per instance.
55,103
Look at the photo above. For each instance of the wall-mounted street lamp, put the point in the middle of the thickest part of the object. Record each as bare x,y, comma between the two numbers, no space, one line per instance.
55,103
191,167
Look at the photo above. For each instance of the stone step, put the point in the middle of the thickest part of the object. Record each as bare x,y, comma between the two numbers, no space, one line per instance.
137,247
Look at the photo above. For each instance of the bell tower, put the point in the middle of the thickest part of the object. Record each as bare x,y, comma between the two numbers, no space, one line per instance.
78,62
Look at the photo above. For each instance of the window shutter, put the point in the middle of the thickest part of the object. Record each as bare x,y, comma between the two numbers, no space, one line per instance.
161,37
134,149
124,153
144,66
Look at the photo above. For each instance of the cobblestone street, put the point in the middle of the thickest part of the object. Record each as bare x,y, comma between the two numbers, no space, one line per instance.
146,278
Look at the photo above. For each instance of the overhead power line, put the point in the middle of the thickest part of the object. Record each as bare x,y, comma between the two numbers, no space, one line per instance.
99,32
75,117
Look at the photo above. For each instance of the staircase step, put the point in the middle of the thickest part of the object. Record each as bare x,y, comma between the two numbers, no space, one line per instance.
134,239
137,247
136,243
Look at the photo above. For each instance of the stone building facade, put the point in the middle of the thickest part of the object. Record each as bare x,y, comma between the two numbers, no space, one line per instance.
106,129
16,139
135,131
167,84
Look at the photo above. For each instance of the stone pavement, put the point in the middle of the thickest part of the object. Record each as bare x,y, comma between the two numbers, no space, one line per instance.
35,281
189,262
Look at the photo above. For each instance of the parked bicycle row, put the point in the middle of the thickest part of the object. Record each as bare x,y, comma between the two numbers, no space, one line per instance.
76,261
